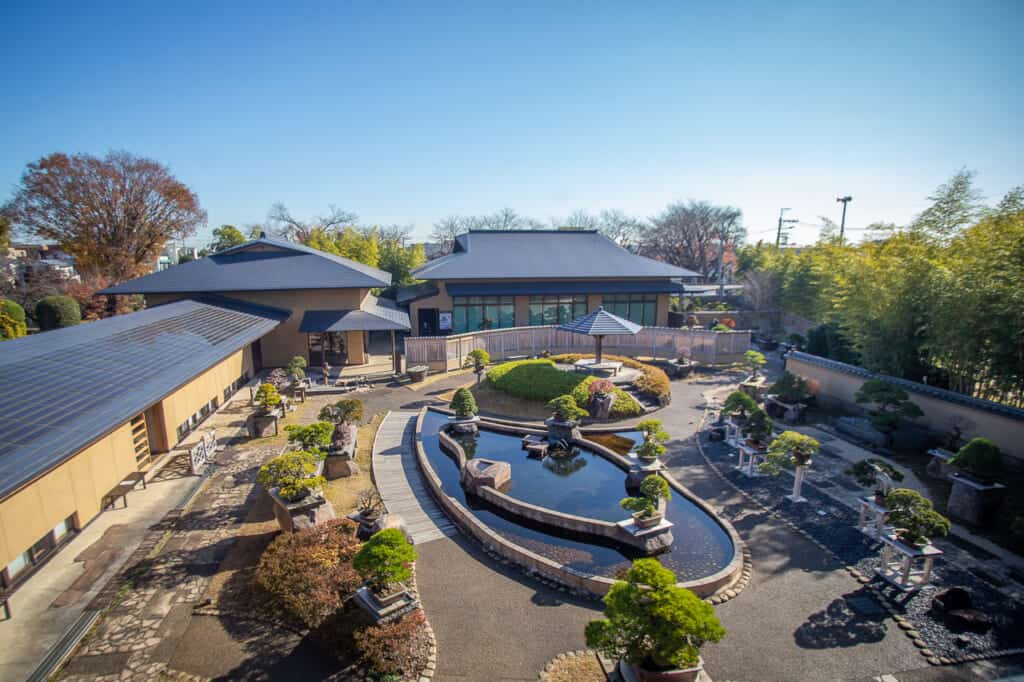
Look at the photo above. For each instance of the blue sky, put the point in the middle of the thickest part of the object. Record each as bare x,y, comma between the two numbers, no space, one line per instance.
405,113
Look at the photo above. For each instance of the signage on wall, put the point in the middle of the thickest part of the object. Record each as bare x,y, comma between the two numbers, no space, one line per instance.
444,321
201,452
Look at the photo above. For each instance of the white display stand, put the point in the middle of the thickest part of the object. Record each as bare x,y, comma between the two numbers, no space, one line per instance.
908,568
872,518
749,458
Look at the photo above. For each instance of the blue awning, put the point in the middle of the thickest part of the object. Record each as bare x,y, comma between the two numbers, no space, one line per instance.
539,288
374,315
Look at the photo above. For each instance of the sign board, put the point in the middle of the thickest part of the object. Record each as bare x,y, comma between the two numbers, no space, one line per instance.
201,452
444,321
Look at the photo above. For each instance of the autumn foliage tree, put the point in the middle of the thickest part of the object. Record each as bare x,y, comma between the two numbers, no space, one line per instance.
114,214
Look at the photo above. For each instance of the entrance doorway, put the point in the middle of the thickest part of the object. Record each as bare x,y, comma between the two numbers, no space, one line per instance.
428,321
327,347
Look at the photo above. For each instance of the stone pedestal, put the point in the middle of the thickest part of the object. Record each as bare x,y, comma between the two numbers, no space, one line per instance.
791,413
261,425
652,540
639,470
312,510
559,430
339,466
600,405
908,568
939,466
861,429
536,446
680,370
375,524
798,484
973,501
387,609
465,425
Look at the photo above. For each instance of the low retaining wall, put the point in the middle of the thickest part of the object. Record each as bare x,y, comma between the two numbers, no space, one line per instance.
549,568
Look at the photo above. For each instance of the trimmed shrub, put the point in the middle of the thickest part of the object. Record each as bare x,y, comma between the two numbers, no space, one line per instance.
654,380
349,411
566,409
600,386
385,559
293,474
13,309
54,312
313,438
652,622
395,648
624,406
10,328
267,397
980,457
533,379
463,403
308,575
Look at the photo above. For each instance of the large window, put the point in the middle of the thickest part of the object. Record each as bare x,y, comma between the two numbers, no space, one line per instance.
476,313
556,309
639,308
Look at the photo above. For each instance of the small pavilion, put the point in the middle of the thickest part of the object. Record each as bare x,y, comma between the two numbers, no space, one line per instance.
326,330
600,324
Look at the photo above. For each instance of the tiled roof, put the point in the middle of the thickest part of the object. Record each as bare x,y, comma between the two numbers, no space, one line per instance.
542,287
374,315
601,323
543,254
264,264
63,389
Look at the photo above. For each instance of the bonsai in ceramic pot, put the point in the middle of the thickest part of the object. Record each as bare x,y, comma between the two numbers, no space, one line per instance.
477,359
758,429
654,626
980,459
654,436
384,562
646,506
914,517
267,398
791,448
739,406
464,405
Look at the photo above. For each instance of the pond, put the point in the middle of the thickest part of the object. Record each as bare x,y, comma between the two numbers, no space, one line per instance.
585,484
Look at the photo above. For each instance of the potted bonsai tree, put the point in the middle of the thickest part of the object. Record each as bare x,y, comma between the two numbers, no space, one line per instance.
654,626
646,506
314,438
477,359
654,436
296,369
384,562
267,398
291,479
565,409
758,429
268,403
976,494
786,397
349,411
464,405
601,397
794,449
980,458
754,361
738,405
892,406
914,517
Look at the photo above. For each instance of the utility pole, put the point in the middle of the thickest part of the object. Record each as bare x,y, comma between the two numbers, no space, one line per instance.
778,235
842,224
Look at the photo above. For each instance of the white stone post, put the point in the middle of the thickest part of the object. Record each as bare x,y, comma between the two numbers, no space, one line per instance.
798,482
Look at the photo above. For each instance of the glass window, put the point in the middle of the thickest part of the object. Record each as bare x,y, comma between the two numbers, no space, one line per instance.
639,308
476,313
64,527
556,309
19,564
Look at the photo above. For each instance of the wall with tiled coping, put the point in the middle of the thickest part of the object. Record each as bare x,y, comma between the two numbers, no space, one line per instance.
548,568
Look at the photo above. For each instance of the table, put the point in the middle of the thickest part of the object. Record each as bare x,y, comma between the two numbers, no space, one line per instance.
748,458
120,490
899,560
588,365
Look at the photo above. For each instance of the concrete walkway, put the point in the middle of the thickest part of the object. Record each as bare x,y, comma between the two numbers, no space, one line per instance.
400,484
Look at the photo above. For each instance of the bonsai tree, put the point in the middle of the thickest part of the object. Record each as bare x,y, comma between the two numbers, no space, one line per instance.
758,426
369,504
384,559
463,403
794,449
600,386
980,457
866,471
278,378
914,517
651,622
293,474
478,359
565,408
739,404
54,312
267,397
653,489
755,361
892,405
654,436
720,328
313,438
296,368
349,411
790,388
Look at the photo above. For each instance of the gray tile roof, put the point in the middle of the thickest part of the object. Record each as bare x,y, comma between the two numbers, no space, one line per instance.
63,389
414,292
541,287
601,323
374,315
543,254
264,264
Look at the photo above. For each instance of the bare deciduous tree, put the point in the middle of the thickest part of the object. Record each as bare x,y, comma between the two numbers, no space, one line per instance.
114,214
692,234
300,230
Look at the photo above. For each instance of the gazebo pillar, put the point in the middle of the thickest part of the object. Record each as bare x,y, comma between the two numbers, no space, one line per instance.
597,354
396,360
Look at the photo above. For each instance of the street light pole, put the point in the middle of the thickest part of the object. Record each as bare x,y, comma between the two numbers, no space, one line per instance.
842,224
778,235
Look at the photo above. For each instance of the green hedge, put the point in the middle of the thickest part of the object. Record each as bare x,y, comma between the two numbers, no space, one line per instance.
540,380
624,406
54,312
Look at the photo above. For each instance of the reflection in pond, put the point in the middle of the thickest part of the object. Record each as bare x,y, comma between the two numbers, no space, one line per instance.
566,465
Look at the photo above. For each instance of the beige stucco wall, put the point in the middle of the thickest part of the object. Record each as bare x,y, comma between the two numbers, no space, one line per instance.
77,485
939,415
286,341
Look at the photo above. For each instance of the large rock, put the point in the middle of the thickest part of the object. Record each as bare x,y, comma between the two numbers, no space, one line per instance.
971,620
559,430
951,599
600,405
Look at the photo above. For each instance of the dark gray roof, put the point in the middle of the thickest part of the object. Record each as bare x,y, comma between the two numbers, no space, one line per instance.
912,386
264,264
543,254
538,287
601,323
63,389
414,292
374,315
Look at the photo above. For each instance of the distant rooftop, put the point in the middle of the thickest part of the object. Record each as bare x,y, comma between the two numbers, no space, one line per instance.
547,254
264,264
63,389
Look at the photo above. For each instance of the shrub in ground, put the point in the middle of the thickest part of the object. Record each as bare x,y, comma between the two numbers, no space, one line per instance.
12,320
397,648
13,309
293,474
385,559
308,575
54,312
624,406
532,379
654,381
565,408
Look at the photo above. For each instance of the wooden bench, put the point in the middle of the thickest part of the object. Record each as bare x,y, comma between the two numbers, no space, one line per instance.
120,490
135,478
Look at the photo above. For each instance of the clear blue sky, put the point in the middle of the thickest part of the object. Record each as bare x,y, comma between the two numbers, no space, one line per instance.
405,113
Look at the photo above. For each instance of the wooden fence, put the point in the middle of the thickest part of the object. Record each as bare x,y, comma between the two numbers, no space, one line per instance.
445,353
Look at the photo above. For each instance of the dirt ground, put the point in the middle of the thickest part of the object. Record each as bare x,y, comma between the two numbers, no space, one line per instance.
342,492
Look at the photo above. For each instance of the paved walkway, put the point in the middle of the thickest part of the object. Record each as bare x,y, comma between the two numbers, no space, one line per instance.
398,479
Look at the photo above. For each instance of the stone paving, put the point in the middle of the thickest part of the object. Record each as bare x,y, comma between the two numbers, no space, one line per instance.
152,598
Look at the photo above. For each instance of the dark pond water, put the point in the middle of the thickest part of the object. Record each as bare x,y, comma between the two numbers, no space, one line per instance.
585,484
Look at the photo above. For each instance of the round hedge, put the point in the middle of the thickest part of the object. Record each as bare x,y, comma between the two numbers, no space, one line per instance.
54,312
13,309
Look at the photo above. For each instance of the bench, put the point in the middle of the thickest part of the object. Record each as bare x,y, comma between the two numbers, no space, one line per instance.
418,373
135,478
612,366
5,605
120,490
